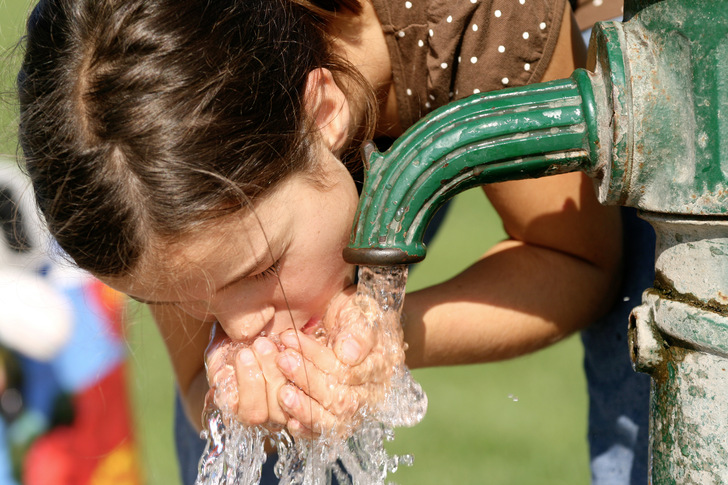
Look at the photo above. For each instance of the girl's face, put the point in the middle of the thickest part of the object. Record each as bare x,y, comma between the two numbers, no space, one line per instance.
264,270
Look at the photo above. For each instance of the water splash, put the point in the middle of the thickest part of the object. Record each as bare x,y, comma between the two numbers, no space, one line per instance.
235,454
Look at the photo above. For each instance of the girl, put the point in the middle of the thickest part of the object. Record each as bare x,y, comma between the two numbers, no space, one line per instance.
200,156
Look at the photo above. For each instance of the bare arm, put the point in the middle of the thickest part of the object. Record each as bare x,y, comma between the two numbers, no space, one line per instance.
555,274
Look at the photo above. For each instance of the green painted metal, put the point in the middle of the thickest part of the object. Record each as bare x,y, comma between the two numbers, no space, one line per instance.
679,335
510,134
674,57
667,74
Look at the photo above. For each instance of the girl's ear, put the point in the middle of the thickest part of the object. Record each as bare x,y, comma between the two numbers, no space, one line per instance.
327,106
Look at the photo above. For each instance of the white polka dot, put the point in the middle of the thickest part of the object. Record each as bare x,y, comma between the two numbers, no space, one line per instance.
522,2
431,97
598,3
408,4
409,92
542,25
460,59
452,94
497,13
443,65
504,80
420,43
400,33
428,105
475,27
525,35
431,33
527,67
449,19
473,59
473,1
476,91
501,49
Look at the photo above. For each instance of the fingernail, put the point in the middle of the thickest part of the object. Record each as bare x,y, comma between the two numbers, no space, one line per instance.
286,363
246,357
290,339
289,397
264,346
350,351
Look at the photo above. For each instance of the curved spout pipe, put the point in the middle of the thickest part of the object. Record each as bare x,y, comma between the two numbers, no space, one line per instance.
511,134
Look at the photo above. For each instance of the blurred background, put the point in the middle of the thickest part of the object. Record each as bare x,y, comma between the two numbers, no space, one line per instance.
518,422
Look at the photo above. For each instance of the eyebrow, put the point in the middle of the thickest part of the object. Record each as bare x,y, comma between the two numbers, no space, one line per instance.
244,274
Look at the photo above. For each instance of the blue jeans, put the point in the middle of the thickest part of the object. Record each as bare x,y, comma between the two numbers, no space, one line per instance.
190,447
618,396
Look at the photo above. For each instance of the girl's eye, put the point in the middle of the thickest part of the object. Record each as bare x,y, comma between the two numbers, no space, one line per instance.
267,273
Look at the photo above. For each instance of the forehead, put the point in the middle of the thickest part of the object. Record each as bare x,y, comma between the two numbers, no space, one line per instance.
188,266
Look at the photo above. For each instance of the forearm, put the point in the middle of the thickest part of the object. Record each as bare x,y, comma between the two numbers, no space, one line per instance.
517,299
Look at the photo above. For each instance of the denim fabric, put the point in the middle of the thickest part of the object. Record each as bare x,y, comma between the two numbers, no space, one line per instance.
190,447
619,396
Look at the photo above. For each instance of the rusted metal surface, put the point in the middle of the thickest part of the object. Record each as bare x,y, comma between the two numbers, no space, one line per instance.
679,335
667,68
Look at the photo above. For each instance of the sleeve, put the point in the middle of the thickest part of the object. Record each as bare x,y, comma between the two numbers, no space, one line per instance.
444,50
508,44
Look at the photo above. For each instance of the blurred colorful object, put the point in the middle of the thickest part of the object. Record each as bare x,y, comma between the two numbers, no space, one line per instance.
66,330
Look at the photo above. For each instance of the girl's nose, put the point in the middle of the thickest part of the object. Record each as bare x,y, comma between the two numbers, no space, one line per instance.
244,325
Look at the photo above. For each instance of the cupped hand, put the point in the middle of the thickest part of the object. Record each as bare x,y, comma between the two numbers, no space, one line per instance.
333,385
245,380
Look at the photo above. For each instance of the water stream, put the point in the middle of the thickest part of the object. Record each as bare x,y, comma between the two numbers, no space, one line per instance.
235,454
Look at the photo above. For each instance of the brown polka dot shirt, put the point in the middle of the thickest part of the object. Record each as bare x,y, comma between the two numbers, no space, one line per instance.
444,50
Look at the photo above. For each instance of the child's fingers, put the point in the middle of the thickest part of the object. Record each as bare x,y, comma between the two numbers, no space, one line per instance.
224,393
355,337
341,400
352,348
308,413
252,399
320,355
327,362
266,352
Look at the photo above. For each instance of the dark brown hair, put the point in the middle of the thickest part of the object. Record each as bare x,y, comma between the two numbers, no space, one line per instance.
148,117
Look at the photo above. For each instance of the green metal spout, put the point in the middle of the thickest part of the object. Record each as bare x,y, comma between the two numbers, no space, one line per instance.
533,131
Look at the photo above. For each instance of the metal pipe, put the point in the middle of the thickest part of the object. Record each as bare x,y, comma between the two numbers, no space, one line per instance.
531,131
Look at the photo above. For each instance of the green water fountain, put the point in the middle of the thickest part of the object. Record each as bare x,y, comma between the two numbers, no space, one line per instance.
648,122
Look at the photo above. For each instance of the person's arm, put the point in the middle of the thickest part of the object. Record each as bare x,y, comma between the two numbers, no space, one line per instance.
556,273
186,339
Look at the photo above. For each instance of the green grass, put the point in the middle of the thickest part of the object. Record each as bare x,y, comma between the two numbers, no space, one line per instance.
516,422
12,18
475,431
